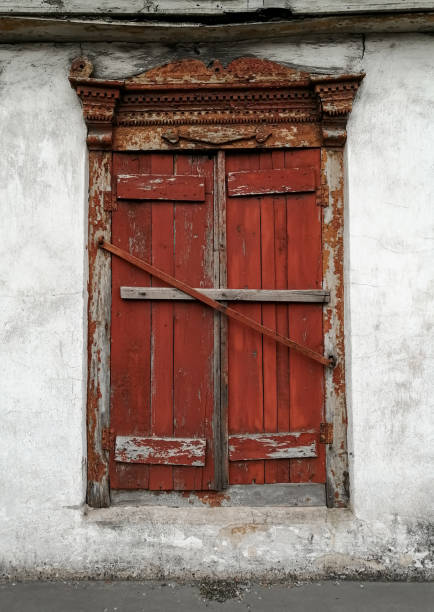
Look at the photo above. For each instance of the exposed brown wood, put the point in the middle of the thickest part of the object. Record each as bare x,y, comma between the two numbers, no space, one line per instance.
160,451
229,312
332,170
326,433
161,187
228,295
98,342
294,445
263,182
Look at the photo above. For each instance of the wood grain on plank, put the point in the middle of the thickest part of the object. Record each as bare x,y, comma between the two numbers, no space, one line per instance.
226,295
304,222
160,451
133,7
248,447
270,181
193,334
268,282
161,187
278,471
245,372
130,412
161,477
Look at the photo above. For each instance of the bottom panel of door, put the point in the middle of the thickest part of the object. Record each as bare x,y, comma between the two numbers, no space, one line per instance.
294,494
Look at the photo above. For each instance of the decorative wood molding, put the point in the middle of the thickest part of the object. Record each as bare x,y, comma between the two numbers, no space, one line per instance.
186,104
336,98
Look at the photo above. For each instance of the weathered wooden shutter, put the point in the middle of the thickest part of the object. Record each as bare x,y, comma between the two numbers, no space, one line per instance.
175,362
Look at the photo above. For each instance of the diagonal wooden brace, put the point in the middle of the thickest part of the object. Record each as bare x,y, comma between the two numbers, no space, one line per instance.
226,310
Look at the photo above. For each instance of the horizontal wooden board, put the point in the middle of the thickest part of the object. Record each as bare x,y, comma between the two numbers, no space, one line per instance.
256,496
228,295
262,182
201,7
148,138
160,451
185,188
294,445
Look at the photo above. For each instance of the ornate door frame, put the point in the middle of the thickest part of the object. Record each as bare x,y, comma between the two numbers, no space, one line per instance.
186,105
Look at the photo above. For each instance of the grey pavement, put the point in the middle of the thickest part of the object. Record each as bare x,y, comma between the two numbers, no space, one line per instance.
103,596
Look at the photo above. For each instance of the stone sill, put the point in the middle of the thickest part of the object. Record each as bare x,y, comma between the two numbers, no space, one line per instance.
215,517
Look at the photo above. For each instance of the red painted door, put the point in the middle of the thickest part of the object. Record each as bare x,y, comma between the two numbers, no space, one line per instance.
168,355
162,364
274,242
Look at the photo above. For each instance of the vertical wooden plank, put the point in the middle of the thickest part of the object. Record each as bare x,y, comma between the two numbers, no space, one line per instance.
161,476
98,343
220,427
268,275
130,332
305,320
194,323
245,380
279,470
332,173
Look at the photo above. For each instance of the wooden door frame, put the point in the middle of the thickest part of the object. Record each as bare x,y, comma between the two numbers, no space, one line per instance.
187,106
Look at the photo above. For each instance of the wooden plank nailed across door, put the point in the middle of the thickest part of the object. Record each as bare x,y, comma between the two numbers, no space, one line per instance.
262,182
226,295
231,313
160,451
161,187
248,447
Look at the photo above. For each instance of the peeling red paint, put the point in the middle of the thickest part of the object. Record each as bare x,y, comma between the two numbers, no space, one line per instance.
212,499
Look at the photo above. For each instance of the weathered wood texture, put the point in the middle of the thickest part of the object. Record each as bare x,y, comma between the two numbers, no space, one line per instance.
231,313
16,29
98,341
162,352
332,167
254,245
279,234
274,242
227,295
198,7
220,246
248,447
161,187
160,451
264,182
294,494
151,138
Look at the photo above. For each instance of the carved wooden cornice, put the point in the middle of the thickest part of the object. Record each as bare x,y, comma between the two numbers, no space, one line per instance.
186,103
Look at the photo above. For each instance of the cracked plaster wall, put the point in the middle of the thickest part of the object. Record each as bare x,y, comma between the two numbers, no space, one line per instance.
45,529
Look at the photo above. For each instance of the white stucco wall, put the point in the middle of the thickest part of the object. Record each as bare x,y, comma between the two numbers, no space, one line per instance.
45,529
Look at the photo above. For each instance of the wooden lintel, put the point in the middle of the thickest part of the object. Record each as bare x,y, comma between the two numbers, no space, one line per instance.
14,29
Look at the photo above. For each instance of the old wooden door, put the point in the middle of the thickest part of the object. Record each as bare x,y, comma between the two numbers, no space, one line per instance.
199,402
